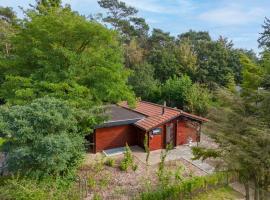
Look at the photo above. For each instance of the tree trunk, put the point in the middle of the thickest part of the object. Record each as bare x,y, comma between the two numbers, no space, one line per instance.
256,193
247,191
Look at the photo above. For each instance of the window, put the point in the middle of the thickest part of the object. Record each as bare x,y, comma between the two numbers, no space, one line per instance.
156,131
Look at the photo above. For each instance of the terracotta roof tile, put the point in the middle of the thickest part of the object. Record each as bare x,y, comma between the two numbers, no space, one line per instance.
154,114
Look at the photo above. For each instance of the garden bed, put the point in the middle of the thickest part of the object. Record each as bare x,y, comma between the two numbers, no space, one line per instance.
109,182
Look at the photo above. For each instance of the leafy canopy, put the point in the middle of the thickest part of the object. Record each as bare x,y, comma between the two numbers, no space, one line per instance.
88,55
182,93
42,138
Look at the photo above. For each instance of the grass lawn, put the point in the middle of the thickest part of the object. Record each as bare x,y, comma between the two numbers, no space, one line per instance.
225,193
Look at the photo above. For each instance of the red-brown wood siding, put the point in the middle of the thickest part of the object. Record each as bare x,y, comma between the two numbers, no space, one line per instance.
184,132
117,136
157,141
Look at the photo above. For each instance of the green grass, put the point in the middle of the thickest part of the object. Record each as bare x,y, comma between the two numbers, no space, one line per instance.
225,193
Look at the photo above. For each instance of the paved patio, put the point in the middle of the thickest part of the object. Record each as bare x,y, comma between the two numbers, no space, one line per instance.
180,152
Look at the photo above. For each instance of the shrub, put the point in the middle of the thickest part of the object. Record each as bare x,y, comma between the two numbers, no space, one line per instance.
45,138
128,159
110,162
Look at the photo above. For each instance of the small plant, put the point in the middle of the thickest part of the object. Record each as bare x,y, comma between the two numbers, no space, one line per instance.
179,173
146,147
134,167
91,182
110,162
123,165
128,159
161,169
99,165
97,197
104,182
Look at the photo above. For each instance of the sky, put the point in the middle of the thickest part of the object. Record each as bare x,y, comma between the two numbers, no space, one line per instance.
238,20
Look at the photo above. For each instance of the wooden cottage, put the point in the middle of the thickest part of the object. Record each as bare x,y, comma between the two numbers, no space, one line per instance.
162,125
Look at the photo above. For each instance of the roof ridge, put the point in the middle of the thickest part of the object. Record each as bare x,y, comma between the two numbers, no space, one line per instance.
159,105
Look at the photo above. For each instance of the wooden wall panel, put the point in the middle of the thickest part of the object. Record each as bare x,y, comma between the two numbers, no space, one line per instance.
117,136
157,141
184,132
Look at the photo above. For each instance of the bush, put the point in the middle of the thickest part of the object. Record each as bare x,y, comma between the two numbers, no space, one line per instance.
44,138
110,162
128,159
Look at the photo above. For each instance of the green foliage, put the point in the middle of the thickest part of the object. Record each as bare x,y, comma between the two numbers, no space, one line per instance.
203,153
134,167
43,56
182,93
252,75
110,162
146,148
97,197
43,137
143,82
128,159
265,35
123,18
162,174
243,131
21,188
215,68
221,193
91,182
165,64
186,188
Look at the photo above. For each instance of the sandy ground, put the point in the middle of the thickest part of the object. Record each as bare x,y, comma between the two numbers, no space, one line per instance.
112,183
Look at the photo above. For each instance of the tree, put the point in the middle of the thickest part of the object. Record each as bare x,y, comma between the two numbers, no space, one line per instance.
264,39
242,140
8,27
42,138
143,82
252,80
182,93
89,55
160,39
195,36
165,64
265,64
123,18
187,58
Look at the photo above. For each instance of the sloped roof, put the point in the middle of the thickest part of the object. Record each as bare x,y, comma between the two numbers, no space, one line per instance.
155,114
118,115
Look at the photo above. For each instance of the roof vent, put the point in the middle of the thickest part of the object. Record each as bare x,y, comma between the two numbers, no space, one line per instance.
163,108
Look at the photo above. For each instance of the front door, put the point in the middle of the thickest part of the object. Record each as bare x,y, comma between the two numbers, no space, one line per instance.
170,134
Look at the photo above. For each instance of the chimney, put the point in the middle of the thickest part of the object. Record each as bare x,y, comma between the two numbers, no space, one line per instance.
163,108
